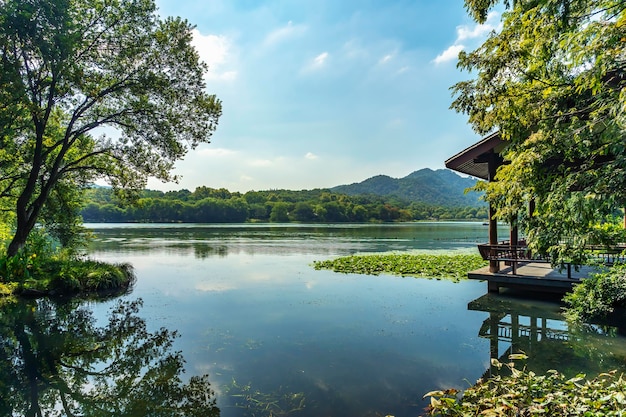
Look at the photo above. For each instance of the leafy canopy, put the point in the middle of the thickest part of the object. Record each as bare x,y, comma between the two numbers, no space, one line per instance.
551,81
93,89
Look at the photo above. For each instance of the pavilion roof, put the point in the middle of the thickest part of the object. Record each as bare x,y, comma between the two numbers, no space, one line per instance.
473,160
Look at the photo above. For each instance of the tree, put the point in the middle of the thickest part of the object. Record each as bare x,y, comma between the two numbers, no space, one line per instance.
71,69
303,212
280,212
551,81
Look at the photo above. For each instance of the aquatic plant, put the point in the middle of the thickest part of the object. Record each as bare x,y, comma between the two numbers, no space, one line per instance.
270,404
453,267
524,393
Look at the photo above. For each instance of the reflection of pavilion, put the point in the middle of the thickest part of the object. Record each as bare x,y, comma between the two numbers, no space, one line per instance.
539,330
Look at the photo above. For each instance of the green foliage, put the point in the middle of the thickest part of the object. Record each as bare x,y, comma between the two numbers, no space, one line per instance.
551,81
28,262
454,267
70,67
523,393
84,276
42,267
286,206
598,295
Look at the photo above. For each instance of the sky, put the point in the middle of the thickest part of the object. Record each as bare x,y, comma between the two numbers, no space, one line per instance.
319,93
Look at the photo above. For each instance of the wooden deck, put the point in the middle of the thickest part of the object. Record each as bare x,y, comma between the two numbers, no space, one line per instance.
532,276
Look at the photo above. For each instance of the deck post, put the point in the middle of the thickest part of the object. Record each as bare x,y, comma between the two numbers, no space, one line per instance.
493,287
513,241
492,166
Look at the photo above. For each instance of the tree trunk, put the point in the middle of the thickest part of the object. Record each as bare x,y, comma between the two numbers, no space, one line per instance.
19,240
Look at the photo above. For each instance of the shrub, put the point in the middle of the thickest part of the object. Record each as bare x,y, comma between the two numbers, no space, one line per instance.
42,267
85,275
598,295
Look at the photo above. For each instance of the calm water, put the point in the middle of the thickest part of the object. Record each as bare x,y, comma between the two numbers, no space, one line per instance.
277,337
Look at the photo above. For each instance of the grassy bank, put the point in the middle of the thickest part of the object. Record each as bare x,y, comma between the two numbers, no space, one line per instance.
33,276
453,267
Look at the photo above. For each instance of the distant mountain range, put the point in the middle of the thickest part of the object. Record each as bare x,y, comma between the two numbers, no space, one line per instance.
441,187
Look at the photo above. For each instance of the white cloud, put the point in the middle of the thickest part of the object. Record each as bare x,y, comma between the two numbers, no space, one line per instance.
469,33
214,50
284,33
317,63
402,70
311,156
353,50
216,152
449,54
320,60
385,59
478,31
261,163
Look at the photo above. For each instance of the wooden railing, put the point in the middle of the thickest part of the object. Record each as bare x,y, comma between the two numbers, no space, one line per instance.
608,255
504,251
512,254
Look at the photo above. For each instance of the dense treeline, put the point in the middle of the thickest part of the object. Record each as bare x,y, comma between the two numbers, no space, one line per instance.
208,205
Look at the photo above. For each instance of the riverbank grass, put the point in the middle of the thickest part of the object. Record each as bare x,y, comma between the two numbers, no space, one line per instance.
58,275
439,266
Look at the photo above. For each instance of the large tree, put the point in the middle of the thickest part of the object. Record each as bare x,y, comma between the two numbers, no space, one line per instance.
552,82
93,89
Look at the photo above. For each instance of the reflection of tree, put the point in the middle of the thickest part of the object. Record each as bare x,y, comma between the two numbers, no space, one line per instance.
55,360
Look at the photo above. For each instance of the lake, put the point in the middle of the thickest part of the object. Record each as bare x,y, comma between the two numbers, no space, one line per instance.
277,337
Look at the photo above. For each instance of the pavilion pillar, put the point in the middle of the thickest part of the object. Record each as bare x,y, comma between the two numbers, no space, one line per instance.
513,234
492,166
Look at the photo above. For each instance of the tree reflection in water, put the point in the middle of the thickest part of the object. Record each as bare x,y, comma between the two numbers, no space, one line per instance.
56,361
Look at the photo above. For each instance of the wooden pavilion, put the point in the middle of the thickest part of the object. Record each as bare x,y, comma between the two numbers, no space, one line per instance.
521,269
482,160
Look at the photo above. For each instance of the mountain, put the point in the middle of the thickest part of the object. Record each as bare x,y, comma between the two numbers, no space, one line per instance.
441,187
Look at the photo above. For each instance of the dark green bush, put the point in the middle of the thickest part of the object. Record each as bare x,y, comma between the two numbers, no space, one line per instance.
598,295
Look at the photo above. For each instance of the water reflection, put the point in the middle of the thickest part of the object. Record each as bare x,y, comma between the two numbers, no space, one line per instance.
219,240
56,359
538,329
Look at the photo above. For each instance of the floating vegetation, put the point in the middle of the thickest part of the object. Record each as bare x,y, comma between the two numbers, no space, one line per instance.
258,403
453,267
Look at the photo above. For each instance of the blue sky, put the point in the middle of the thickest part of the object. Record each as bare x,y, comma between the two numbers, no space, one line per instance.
318,93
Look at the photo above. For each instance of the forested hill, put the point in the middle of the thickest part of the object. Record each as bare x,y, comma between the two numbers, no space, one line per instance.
423,195
441,188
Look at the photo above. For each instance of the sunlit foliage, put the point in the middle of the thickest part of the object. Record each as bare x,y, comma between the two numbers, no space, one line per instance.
551,81
524,393
71,70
